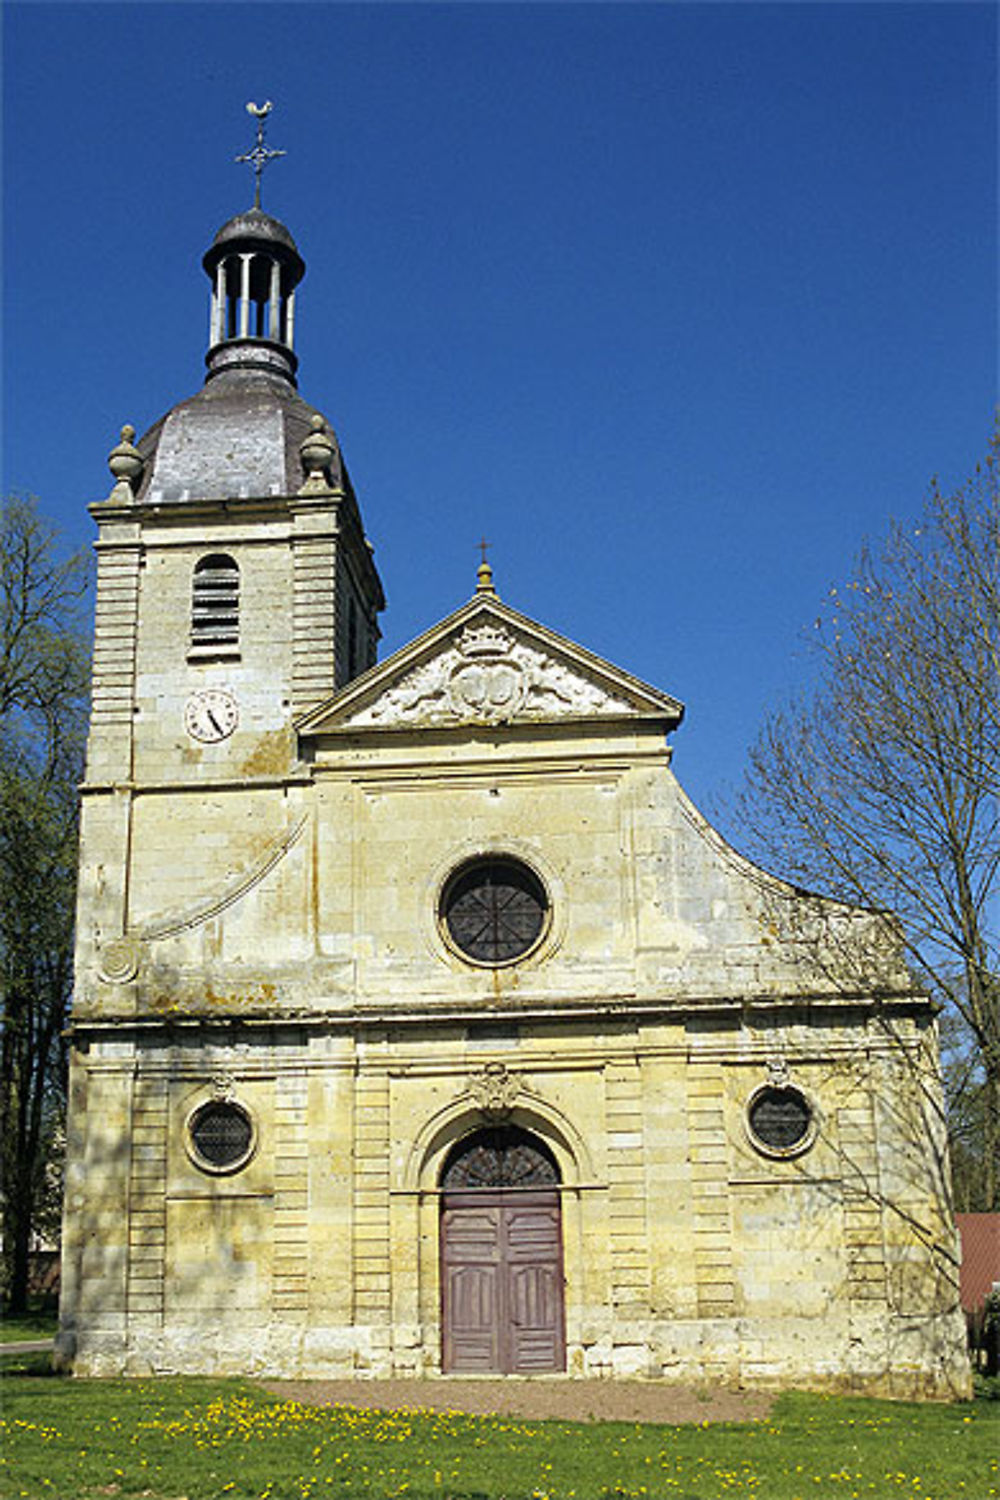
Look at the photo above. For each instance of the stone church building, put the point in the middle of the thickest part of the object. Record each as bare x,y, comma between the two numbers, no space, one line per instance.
422,1025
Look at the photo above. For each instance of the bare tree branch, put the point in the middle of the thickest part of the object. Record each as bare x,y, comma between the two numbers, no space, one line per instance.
882,785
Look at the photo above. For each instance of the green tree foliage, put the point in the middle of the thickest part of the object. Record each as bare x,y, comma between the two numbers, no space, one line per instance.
43,683
882,785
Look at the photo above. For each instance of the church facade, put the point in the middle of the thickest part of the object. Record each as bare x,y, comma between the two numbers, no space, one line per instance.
422,1025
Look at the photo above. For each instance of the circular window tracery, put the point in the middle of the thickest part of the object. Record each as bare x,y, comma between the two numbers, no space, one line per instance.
494,910
499,1156
220,1136
780,1120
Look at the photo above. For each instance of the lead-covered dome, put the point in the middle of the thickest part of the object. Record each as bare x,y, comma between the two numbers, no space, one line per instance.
253,223
240,436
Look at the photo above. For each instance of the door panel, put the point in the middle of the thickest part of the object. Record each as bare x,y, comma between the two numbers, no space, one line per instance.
532,1231
502,1282
471,1247
534,1304
473,1233
474,1323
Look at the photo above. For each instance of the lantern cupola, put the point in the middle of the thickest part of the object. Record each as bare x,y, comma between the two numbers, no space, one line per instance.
254,267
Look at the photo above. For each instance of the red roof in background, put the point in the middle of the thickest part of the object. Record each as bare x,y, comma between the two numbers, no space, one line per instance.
980,1235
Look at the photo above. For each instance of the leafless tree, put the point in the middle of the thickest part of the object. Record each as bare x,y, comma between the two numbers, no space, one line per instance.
881,786
43,678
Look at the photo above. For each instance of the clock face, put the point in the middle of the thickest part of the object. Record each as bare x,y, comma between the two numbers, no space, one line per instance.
211,715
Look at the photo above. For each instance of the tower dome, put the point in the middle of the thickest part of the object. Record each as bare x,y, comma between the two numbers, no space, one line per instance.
241,435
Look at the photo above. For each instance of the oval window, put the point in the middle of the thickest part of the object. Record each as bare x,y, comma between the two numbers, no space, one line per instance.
221,1136
780,1120
494,910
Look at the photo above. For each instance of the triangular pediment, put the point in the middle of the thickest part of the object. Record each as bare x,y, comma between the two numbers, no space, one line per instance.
488,664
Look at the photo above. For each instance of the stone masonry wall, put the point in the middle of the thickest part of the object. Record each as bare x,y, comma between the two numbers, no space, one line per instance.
689,1256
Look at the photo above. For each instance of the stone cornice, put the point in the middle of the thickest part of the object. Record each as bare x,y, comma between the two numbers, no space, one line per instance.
180,510
203,784
620,1008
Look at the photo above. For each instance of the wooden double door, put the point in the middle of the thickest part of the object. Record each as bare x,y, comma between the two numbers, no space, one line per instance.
502,1282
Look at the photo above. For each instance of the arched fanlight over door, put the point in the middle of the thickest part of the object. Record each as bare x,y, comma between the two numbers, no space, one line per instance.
500,1156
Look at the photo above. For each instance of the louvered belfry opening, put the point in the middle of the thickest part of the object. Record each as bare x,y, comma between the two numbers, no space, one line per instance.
215,602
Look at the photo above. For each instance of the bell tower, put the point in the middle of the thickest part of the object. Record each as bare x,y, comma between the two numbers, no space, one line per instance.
236,587
231,545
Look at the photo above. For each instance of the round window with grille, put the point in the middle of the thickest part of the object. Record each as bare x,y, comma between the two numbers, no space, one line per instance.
780,1120
220,1136
494,910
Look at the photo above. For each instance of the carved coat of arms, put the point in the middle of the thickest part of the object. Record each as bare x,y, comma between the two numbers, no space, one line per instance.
486,682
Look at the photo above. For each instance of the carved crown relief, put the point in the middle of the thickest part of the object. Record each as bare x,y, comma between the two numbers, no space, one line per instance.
488,675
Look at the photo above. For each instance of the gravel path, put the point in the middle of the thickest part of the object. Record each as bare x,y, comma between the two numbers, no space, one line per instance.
542,1398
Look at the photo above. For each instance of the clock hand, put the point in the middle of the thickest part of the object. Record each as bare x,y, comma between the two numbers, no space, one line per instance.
214,721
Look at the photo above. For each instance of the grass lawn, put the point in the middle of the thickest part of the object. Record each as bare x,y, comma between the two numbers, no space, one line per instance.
214,1439
29,1329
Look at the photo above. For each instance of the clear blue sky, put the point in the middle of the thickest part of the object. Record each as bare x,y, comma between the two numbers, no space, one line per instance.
675,303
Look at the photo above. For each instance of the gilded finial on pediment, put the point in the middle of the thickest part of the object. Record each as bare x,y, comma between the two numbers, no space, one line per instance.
484,573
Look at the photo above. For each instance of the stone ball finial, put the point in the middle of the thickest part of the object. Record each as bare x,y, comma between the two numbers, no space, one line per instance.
126,465
317,451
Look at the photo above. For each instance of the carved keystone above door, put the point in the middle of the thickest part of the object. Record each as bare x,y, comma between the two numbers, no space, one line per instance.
495,1090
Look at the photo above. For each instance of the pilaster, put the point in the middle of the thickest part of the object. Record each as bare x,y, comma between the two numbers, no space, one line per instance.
863,1241
372,1268
629,1256
147,1221
314,604
709,1157
119,558
291,1195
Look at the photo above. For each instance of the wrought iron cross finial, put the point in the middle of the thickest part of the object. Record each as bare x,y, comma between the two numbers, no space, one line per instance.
484,573
261,154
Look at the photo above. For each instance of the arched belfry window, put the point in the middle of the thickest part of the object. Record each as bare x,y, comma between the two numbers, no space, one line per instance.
499,1156
215,603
